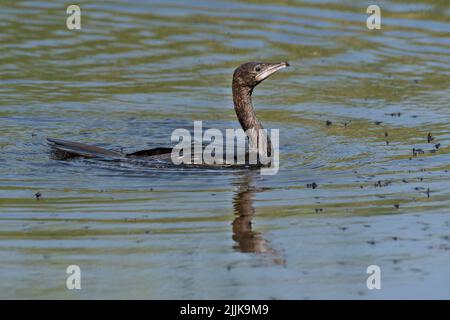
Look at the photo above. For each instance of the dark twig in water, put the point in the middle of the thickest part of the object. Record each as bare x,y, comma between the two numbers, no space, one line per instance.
380,184
417,151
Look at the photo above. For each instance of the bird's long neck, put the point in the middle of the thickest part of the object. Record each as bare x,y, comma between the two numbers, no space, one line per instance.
242,98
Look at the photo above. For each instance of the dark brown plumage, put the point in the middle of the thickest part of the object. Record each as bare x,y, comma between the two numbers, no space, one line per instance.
245,78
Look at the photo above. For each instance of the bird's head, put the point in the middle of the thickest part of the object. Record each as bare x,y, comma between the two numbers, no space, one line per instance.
251,74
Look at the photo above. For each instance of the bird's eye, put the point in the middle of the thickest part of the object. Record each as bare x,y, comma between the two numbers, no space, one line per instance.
258,69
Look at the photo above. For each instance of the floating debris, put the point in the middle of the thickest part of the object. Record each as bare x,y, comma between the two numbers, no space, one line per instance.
312,185
380,183
417,151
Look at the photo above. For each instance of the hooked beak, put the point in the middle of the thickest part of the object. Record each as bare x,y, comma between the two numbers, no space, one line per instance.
270,69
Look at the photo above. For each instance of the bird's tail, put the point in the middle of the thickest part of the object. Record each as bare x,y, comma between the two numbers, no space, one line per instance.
67,149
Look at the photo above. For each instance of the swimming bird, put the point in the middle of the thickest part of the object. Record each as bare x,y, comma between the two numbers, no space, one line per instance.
245,78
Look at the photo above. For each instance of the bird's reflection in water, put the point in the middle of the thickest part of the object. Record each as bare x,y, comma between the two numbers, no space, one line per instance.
247,240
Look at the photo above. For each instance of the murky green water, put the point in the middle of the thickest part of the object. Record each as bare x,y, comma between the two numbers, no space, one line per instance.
138,70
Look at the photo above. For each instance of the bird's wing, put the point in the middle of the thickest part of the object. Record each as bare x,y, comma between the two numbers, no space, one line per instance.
150,152
69,149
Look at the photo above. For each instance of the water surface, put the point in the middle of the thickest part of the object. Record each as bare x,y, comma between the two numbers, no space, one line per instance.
140,69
